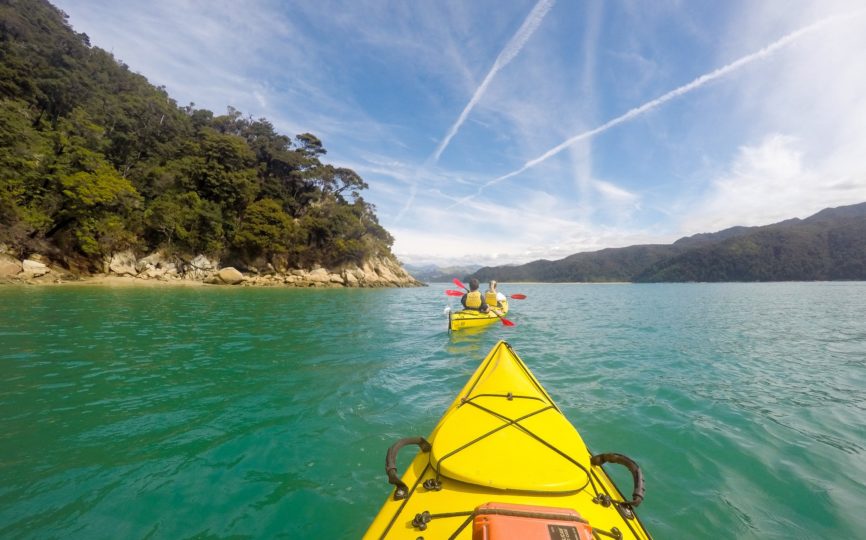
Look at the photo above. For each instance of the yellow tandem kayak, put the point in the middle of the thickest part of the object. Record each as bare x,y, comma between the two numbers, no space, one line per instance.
470,318
504,462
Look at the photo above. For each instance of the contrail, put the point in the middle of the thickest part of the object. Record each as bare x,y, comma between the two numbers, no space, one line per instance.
659,101
529,26
512,49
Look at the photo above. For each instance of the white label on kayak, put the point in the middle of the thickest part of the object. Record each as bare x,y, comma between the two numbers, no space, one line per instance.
562,532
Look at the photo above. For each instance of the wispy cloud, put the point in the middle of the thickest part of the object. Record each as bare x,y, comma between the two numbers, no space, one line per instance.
511,50
786,40
506,55
615,193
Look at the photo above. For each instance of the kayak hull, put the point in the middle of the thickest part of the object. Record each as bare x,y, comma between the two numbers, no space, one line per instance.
469,318
503,442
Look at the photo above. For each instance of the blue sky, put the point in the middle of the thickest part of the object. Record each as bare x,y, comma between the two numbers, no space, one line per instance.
496,132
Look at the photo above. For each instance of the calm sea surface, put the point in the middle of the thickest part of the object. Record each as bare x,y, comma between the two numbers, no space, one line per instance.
266,413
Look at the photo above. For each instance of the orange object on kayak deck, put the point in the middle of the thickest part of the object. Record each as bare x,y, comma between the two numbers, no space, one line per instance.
500,521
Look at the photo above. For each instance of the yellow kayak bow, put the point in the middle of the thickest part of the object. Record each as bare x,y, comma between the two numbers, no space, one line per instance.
504,462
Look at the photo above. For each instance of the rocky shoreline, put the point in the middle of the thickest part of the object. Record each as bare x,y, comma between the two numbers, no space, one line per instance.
158,269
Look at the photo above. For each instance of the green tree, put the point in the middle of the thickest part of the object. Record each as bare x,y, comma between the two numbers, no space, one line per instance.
173,217
265,230
94,195
226,173
185,223
22,169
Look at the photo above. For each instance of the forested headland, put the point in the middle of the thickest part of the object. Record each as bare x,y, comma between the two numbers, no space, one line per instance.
96,160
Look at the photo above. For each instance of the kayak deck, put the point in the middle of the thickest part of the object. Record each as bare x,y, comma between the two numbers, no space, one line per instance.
504,441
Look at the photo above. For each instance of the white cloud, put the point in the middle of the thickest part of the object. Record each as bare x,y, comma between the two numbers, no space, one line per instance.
768,183
418,246
539,226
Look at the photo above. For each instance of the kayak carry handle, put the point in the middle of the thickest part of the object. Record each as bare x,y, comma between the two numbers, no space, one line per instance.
628,463
402,491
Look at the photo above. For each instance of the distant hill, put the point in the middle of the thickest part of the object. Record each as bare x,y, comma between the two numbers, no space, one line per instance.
830,245
431,273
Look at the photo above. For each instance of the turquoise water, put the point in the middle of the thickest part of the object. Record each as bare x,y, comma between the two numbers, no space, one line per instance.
266,413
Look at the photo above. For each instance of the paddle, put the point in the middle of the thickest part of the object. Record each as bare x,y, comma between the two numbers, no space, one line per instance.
462,286
505,321
452,292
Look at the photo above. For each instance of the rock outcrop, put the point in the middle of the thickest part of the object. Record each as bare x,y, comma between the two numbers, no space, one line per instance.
34,269
123,264
9,266
377,272
226,276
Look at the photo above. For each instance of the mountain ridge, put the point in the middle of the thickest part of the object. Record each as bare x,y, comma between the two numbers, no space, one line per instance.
828,245
432,273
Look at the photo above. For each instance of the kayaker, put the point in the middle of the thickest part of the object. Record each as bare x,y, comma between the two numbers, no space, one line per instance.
474,299
493,297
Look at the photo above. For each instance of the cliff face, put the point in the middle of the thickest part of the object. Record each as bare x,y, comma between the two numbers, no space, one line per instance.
375,272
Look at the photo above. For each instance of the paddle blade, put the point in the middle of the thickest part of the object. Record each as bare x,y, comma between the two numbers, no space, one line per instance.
505,321
460,284
451,292
518,296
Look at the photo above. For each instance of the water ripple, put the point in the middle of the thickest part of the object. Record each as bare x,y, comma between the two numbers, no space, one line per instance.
265,413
